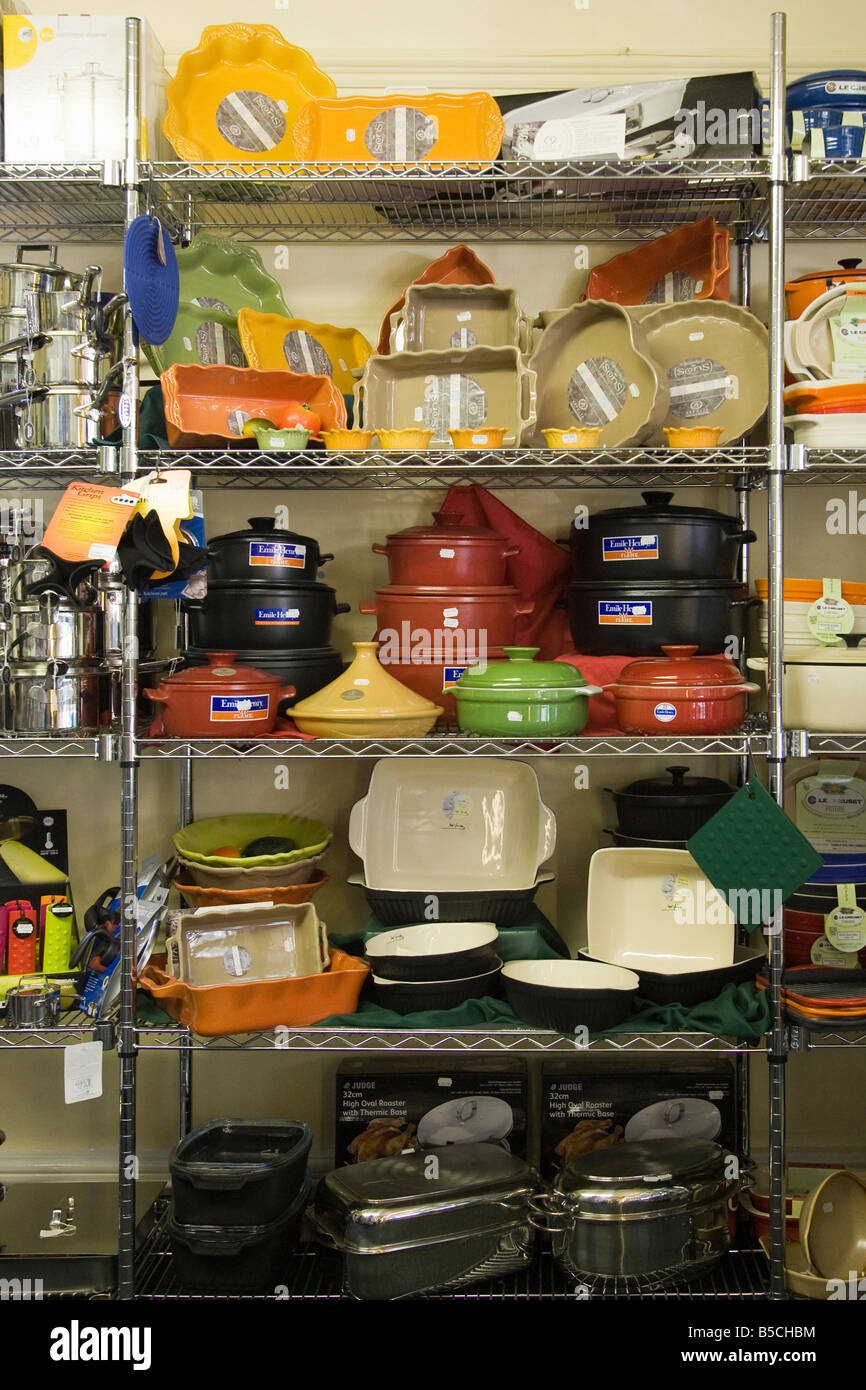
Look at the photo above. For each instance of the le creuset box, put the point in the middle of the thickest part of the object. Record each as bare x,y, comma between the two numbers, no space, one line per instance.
680,693
268,616
654,910
695,986
450,554
822,688
634,617
597,1102
81,1260
672,807
651,1208
826,799
505,908
264,553
425,620
423,996
403,1232
365,701
430,825
523,697
220,700
414,1105
238,1172
237,1259
221,1010
306,669
800,293
593,370
448,390
433,951
658,541
569,995
230,944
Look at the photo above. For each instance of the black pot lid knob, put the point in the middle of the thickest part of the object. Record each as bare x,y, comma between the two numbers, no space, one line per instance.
850,263
657,500
262,523
678,774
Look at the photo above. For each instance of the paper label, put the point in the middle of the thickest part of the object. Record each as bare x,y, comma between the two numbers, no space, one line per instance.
824,953
665,712
89,521
831,809
446,554
634,613
277,617
237,708
575,137
451,676
278,554
830,615
698,387
845,925
673,287
630,548
82,1072
597,391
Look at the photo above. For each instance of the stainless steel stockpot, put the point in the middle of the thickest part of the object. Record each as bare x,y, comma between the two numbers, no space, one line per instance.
417,1222
655,1209
57,417
52,697
53,629
26,277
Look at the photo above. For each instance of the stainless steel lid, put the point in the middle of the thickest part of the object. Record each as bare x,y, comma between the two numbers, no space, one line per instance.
655,1177
651,1161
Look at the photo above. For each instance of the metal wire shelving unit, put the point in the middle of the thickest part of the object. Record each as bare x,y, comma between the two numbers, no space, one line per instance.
758,199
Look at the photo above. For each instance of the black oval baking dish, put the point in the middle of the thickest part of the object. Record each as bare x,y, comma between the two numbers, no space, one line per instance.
418,996
569,994
697,986
505,909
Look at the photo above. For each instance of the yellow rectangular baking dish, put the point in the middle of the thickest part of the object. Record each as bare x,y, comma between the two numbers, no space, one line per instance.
401,129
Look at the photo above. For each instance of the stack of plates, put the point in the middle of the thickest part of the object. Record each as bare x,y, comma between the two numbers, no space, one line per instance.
824,999
434,965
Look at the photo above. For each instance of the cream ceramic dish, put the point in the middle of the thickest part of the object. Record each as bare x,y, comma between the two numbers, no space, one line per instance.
822,687
594,372
448,390
364,702
713,358
809,351
833,1226
653,909
844,431
799,1278
221,945
436,317
451,824
276,876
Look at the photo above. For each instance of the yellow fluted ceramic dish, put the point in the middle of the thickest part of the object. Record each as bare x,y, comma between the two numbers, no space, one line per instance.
274,343
693,437
584,438
404,439
365,702
347,441
238,95
485,437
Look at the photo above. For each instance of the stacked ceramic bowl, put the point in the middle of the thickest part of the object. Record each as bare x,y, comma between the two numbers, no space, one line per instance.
434,965
451,840
447,606
266,605
823,918
825,402
250,851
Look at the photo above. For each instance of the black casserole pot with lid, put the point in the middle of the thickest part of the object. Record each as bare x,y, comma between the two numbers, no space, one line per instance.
274,617
637,616
671,807
264,554
658,541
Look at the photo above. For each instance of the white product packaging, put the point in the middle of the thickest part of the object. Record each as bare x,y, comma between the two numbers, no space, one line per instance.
64,89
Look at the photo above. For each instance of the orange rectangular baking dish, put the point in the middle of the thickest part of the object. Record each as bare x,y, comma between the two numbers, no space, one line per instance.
208,406
216,1011
399,129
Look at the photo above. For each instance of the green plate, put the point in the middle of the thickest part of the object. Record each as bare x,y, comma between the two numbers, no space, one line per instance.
200,838
199,335
217,272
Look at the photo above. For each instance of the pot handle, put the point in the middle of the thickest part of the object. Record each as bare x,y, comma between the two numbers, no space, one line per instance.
49,246
160,696
721,251
548,1212
378,548
324,558
744,602
508,551
657,500
546,836
358,827
527,381
285,697
324,951
743,537
523,610
262,523
368,608
347,607
36,340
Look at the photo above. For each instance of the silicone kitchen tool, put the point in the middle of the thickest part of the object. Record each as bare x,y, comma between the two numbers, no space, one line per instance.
57,938
4,927
23,938
151,278
751,844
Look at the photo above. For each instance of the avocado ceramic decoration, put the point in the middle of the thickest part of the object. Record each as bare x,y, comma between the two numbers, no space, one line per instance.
239,93
521,697
401,129
273,342
365,702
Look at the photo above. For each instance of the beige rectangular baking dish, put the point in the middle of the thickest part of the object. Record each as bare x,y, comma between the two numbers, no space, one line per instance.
436,317
241,944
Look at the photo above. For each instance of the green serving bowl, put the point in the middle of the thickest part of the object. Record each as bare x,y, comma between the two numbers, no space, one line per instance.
198,840
267,436
522,697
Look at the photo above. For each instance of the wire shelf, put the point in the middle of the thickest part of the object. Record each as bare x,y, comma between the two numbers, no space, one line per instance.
512,468
589,200
827,198
61,202
463,1040
827,466
52,746
450,745
73,1027
314,1273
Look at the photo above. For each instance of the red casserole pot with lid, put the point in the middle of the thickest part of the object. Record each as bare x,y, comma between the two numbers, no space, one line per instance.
451,554
681,693
220,700
465,622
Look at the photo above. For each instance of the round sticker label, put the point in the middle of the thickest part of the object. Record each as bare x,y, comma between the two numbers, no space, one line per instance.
665,712
845,928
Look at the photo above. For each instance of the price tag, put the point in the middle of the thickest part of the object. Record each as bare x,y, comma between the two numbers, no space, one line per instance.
82,1072
823,953
830,615
845,926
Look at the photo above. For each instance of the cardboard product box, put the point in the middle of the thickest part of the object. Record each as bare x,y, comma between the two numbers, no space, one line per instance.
714,117
597,1102
409,1105
64,89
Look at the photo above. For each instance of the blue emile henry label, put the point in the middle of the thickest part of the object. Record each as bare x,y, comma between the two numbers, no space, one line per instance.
635,613
277,617
278,554
665,712
630,548
234,708
451,676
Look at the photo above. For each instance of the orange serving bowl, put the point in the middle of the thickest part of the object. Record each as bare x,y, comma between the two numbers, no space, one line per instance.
826,397
292,893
